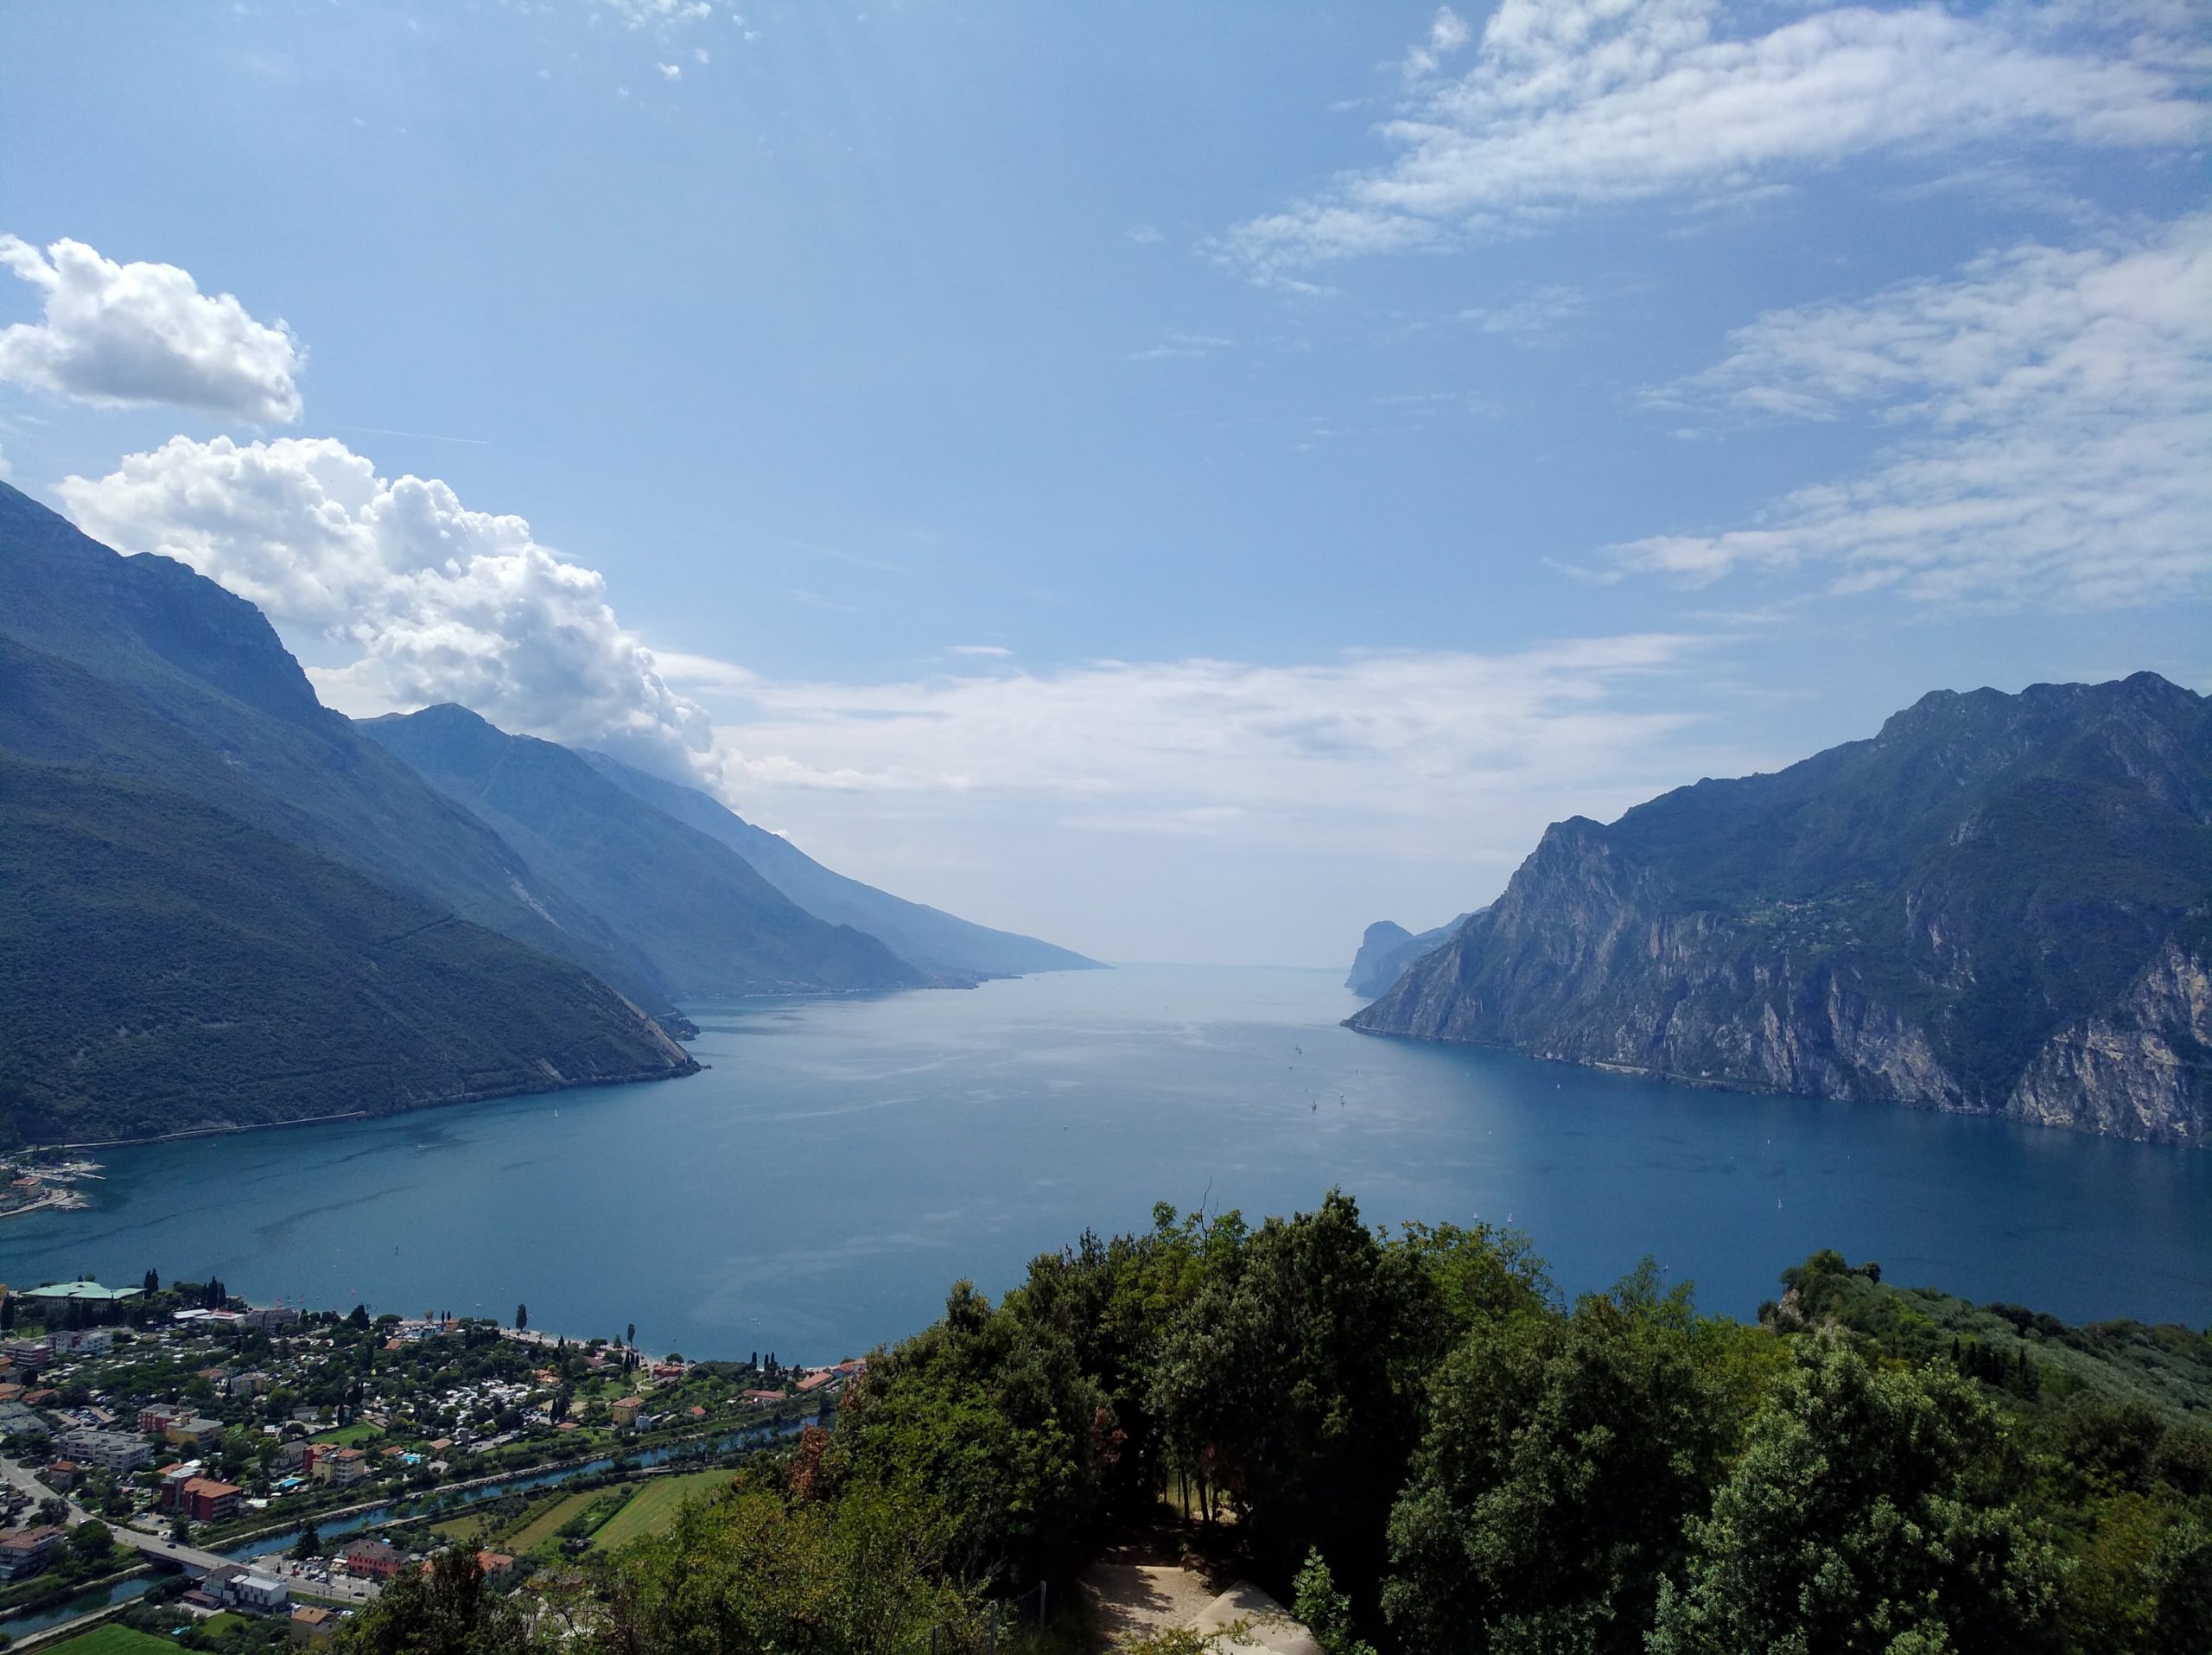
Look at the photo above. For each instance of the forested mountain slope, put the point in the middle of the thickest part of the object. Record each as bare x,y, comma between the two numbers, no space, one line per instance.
223,712
707,922
926,937
165,967
1998,905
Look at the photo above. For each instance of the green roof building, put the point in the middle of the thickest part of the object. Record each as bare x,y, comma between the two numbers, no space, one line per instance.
89,1292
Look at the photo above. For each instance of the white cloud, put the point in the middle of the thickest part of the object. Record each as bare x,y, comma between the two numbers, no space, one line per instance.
1331,754
135,334
1576,103
670,71
444,603
1539,317
992,652
2056,408
1176,342
658,15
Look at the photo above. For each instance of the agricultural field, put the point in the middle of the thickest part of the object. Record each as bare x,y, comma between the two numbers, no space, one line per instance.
112,1640
653,1507
547,1521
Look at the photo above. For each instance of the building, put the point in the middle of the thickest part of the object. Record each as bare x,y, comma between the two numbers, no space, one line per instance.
83,1293
28,1551
342,1467
63,1474
496,1565
86,1341
194,1431
311,1623
204,1501
626,1410
27,1355
155,1420
231,1586
372,1560
16,1420
270,1318
174,1479
115,1451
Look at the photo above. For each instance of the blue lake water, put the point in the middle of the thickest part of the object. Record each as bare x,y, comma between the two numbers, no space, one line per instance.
842,1162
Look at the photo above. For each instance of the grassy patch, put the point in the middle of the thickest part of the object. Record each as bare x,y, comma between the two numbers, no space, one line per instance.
545,1522
653,1507
113,1640
350,1436
461,1530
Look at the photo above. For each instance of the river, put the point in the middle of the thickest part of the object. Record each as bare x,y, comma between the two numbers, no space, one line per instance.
842,1162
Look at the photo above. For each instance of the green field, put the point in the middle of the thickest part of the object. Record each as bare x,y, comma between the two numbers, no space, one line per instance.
351,1437
546,1522
461,1530
113,1640
653,1507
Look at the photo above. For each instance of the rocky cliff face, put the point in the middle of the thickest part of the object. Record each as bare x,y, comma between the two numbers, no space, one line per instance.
1994,906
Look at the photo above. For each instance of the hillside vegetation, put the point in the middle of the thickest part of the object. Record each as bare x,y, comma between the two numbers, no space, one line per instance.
165,967
1417,1440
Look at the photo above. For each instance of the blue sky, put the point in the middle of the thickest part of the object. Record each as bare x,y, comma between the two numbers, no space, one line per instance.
1182,480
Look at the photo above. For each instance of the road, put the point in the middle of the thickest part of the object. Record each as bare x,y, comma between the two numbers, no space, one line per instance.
20,1476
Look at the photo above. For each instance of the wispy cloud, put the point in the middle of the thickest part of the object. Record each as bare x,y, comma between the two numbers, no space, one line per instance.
1538,315
1574,104
1176,342
2053,407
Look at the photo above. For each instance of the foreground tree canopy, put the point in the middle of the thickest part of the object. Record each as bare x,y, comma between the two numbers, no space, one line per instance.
1412,1438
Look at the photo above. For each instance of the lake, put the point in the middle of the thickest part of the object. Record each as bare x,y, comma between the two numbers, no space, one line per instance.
842,1162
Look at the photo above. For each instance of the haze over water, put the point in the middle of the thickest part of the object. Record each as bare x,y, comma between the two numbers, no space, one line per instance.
820,1186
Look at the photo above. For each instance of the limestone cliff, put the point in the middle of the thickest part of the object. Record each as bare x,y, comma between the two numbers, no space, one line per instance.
1995,906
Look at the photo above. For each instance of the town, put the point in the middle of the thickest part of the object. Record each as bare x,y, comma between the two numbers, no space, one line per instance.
171,1453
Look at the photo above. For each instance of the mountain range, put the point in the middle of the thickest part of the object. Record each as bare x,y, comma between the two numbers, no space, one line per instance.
2002,904
226,905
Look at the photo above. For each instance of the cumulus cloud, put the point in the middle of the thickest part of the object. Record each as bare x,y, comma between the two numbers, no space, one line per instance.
1574,102
135,334
444,603
2055,412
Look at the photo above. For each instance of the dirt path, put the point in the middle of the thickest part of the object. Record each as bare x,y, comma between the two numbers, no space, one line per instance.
1140,1588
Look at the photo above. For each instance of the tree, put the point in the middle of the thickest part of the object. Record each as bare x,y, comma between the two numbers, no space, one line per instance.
310,1544
1326,1611
758,1570
446,1609
630,1334
1852,1522
1562,1457
359,1317
522,1318
1290,1383
91,1541
153,1282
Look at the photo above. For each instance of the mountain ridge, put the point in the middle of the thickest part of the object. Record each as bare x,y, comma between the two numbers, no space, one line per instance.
1996,905
699,912
929,938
